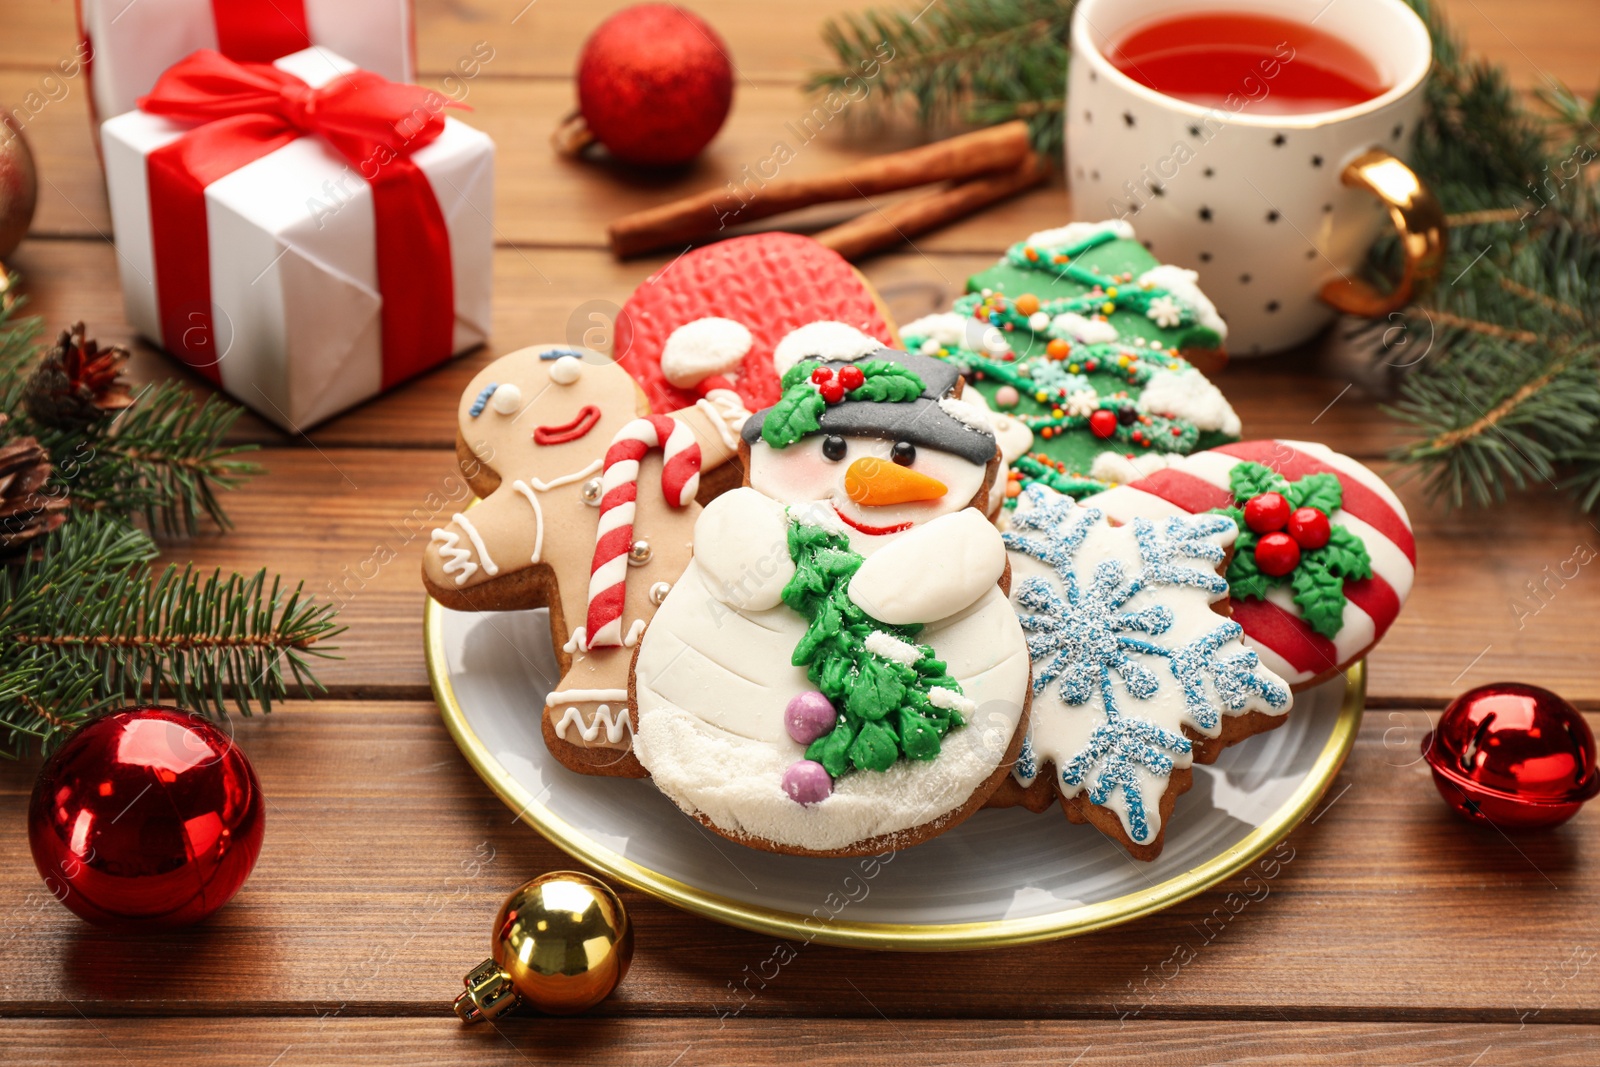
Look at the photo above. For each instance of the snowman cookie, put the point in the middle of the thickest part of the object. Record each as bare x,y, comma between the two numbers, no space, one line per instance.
1136,673
584,499
1325,556
838,670
713,318
1083,338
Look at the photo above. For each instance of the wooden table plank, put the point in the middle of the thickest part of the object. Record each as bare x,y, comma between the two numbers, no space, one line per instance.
385,859
773,1043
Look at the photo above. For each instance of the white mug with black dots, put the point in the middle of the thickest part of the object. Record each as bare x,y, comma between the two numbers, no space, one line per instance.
1269,169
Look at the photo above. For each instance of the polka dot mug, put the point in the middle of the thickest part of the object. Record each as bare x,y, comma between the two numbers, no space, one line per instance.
1275,211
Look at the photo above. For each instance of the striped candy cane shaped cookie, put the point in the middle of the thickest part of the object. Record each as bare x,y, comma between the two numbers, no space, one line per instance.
619,489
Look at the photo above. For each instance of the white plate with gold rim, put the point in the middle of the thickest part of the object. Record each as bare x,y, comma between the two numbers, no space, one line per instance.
1002,877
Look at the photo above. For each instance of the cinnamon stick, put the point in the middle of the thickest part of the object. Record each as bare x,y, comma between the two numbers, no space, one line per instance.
706,214
879,228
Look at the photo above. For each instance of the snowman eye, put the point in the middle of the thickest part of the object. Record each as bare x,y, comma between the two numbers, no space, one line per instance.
833,447
904,453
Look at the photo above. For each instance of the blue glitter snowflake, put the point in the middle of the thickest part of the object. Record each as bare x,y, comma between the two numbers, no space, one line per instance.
1085,638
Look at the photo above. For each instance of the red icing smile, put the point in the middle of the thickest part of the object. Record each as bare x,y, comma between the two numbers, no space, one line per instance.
872,531
587,417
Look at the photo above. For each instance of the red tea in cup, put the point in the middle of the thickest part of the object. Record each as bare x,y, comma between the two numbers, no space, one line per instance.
1217,59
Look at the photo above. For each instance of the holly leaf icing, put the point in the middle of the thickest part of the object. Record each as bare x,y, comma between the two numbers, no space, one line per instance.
1245,578
1252,479
887,383
799,413
1345,555
1321,491
1319,593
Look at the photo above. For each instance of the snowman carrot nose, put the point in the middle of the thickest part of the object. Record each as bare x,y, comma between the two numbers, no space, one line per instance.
876,482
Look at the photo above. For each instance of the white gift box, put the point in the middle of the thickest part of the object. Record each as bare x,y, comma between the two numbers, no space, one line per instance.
133,41
293,270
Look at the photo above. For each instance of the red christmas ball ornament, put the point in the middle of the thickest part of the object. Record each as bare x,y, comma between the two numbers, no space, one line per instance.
852,377
654,86
1266,513
146,817
1513,755
832,390
1103,423
1277,554
1309,527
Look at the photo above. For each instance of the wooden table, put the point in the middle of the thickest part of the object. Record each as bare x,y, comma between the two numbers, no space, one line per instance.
1396,933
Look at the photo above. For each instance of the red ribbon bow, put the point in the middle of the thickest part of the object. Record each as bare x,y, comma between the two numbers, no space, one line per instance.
250,110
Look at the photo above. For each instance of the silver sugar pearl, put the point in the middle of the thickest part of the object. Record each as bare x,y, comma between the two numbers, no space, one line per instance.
591,492
659,591
639,553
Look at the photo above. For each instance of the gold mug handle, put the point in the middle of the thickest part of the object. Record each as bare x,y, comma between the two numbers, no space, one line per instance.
1420,222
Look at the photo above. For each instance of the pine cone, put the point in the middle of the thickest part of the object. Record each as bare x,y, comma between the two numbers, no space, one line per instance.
77,383
27,509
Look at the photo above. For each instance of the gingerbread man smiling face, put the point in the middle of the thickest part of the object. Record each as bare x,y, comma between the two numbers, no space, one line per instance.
534,431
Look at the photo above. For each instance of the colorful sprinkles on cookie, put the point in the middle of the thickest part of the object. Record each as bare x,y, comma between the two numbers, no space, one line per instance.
1080,334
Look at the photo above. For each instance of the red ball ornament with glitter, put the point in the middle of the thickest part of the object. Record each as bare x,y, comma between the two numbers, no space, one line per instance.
1514,755
654,86
147,817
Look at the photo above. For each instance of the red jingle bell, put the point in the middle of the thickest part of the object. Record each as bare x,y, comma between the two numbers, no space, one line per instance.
1513,755
146,817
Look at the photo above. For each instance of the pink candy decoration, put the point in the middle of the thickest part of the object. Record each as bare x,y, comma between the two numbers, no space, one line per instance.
807,782
809,716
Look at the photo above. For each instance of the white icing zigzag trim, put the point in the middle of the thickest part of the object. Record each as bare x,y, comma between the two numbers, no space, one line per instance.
538,517
477,542
615,725
456,558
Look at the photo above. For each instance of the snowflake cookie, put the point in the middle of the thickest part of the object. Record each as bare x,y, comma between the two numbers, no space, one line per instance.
1135,675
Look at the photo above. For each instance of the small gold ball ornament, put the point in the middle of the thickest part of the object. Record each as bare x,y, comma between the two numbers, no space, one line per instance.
561,942
639,553
591,491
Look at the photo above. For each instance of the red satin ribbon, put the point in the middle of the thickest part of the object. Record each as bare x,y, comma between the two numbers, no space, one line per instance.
248,111
259,31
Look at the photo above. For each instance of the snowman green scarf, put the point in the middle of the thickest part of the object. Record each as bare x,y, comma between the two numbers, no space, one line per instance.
891,706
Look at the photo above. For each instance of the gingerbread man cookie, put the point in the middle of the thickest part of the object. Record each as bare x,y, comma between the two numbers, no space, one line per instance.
588,509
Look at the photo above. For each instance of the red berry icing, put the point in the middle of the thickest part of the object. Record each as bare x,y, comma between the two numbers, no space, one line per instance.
822,374
1309,527
851,377
1277,554
832,391
1266,513
1103,423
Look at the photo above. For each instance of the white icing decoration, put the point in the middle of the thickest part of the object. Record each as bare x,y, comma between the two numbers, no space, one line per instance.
950,700
635,631
1116,468
1188,394
1165,312
1077,232
538,517
581,696
891,647
456,558
566,370
823,340
1039,321
1127,650
1082,403
578,642
1184,284
897,584
943,329
615,726
741,540
970,414
697,350
726,412
507,399
1072,326
567,479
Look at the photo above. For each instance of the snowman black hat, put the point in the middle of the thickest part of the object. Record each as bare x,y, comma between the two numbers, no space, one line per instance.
912,401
